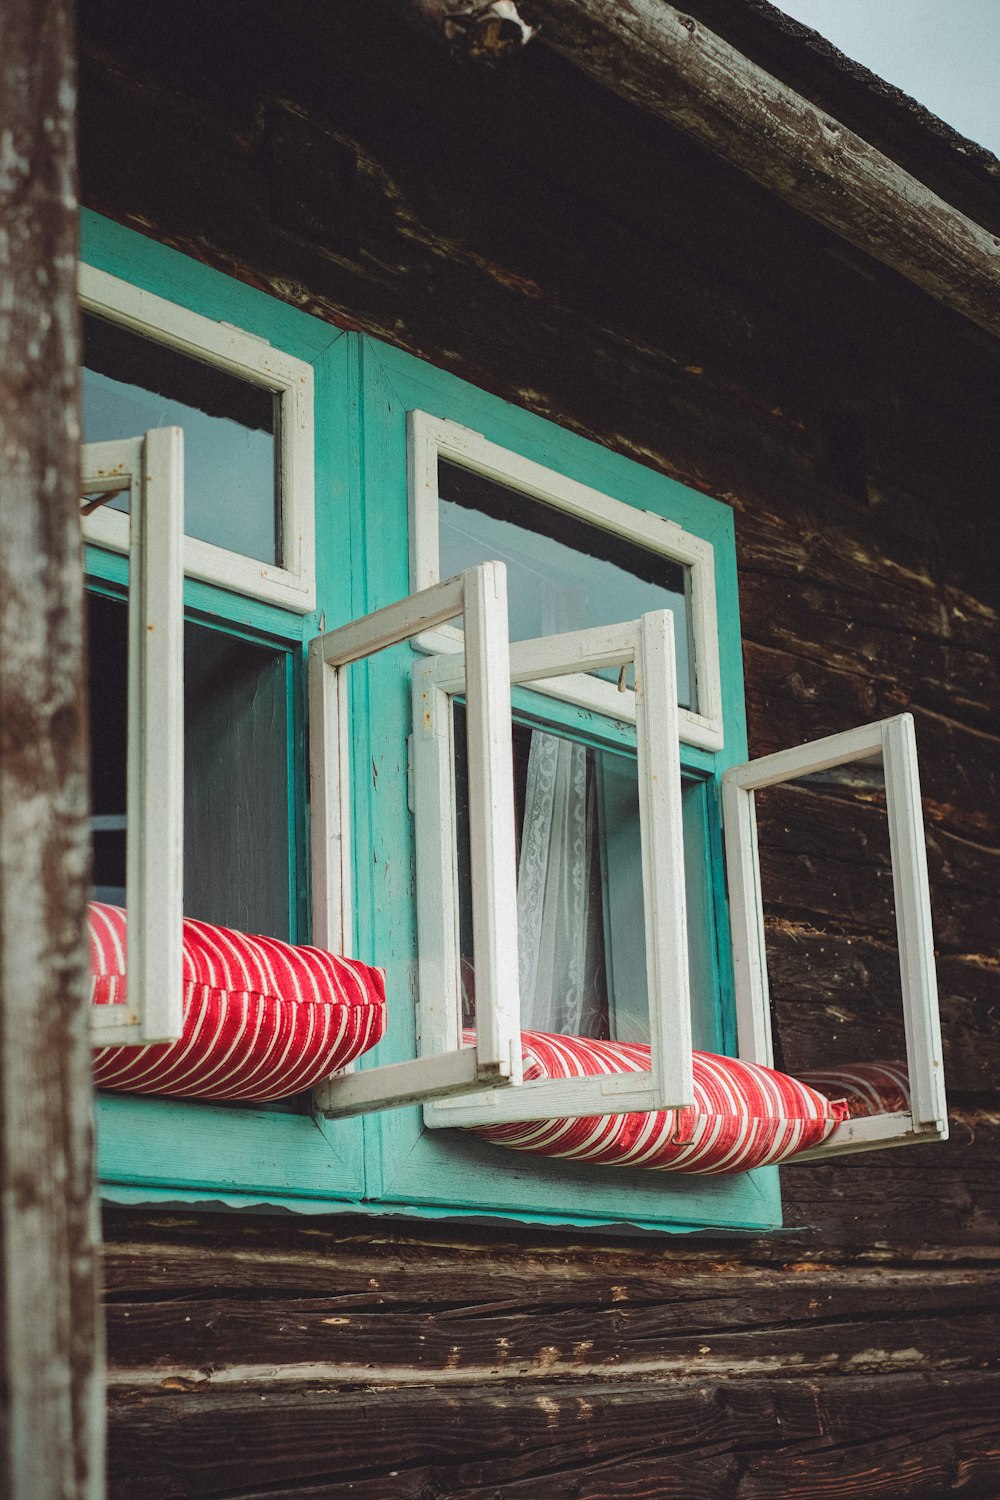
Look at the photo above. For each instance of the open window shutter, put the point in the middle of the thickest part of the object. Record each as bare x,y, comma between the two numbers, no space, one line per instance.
479,597
649,644
891,741
151,470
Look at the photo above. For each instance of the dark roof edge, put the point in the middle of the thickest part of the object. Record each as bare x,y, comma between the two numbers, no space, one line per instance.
672,65
959,170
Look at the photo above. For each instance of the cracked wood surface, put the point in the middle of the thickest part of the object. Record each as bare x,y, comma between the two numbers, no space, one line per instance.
459,1362
790,1439
849,422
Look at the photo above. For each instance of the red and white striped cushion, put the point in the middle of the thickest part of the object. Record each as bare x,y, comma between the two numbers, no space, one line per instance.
869,1088
743,1115
262,1020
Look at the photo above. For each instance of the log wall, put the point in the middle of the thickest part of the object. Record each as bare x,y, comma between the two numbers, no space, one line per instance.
543,240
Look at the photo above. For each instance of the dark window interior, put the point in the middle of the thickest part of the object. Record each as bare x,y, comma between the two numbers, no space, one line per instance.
236,831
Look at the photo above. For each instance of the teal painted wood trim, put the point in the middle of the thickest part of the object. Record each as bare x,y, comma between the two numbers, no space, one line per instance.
167,1151
443,1171
153,1144
454,1168
123,252
209,1200
721,934
252,619
161,1144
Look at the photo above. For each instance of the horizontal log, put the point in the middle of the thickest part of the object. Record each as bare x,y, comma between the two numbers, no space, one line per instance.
945,1193
220,1344
918,1434
870,1207
794,698
836,999
837,628
825,608
654,1298
832,567
666,63
825,856
825,860
849,1260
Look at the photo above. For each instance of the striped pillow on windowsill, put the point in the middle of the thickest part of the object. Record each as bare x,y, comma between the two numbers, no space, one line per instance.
262,1019
743,1115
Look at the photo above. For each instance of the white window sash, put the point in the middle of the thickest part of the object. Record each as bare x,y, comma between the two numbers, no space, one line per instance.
480,597
151,469
649,644
431,438
293,584
892,742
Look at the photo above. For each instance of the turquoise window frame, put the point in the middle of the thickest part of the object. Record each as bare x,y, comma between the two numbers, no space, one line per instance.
450,1171
168,1150
157,1150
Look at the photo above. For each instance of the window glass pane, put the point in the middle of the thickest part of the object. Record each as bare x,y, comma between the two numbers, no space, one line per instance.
231,483
562,573
108,636
236,833
581,924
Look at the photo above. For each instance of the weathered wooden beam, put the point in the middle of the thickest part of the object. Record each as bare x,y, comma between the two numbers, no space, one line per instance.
759,1324
51,1434
810,1437
652,54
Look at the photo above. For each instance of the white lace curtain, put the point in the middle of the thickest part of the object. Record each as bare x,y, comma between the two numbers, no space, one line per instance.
558,922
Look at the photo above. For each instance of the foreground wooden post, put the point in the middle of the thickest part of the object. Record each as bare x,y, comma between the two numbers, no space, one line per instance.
51,1435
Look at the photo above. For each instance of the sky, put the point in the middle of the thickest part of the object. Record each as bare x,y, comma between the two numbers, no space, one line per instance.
944,53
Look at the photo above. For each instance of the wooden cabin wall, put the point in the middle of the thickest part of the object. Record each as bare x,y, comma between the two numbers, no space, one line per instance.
543,241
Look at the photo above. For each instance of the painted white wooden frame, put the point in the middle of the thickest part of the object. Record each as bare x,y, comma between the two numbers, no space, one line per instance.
152,470
649,644
430,438
892,742
293,584
479,596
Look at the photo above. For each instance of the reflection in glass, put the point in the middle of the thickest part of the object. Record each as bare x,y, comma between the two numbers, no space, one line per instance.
562,573
231,469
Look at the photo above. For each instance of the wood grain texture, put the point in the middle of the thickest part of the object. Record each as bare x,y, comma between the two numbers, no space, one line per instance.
901,1436
51,1440
529,231
479,1361
679,343
660,59
225,1343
